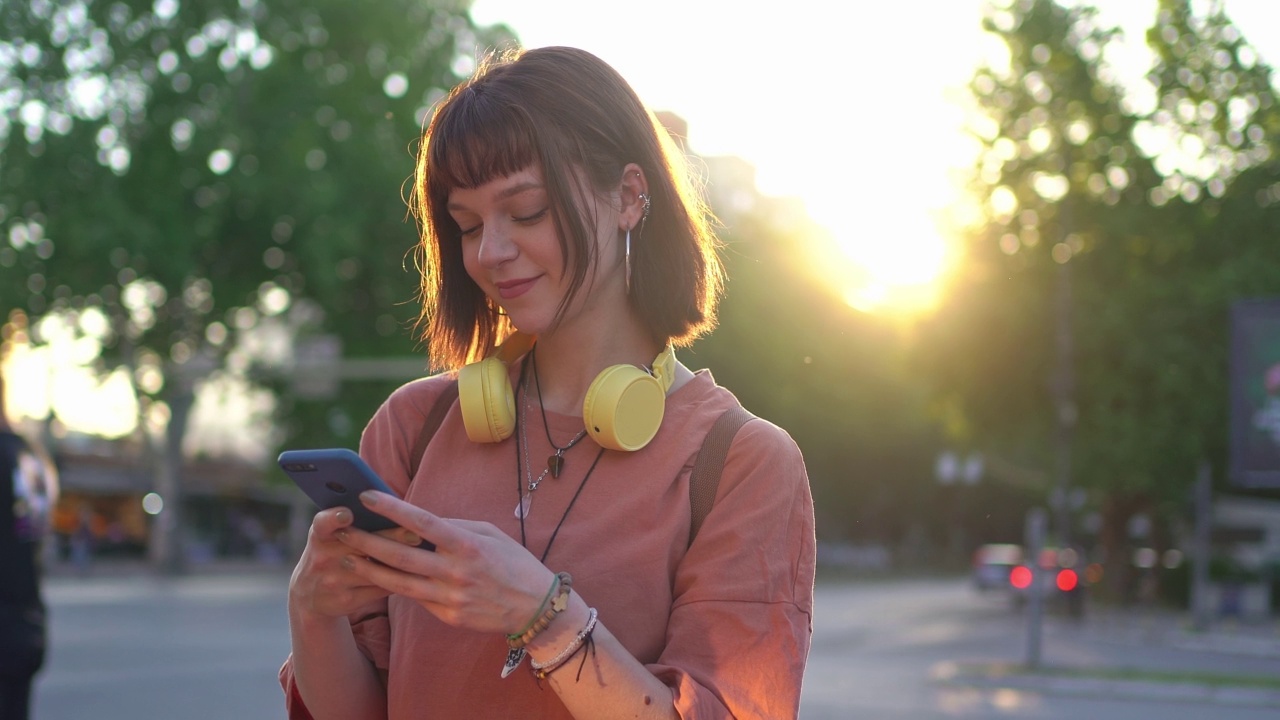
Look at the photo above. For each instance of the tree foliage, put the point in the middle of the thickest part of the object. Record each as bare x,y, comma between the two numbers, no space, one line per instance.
201,172
1154,213
196,183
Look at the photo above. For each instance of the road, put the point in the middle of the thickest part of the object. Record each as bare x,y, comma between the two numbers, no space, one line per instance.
198,648
208,647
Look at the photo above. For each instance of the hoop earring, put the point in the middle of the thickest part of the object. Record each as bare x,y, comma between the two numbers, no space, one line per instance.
628,260
643,218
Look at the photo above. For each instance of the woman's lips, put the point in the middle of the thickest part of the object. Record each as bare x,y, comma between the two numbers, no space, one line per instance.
515,288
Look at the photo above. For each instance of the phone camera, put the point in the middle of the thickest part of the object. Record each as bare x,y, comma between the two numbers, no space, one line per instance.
336,486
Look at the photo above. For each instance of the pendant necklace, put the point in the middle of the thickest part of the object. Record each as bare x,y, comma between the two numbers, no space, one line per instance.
515,656
555,461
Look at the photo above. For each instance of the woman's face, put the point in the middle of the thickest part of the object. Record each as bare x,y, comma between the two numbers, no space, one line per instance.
511,250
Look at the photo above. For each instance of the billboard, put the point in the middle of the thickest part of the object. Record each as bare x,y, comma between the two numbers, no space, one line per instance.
1255,394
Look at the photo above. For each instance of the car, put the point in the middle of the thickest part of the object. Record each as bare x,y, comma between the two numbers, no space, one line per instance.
1059,581
992,565
1003,567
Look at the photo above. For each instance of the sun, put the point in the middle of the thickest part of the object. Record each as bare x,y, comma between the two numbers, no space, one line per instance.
886,267
901,275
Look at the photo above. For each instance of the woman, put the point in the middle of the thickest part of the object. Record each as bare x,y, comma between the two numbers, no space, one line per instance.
552,206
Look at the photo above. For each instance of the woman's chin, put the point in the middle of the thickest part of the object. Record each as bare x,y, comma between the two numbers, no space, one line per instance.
529,324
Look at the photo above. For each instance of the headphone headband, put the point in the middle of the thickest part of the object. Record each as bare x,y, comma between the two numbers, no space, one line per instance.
664,367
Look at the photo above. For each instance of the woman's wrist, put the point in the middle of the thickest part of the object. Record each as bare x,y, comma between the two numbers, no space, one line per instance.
556,582
304,616
561,630
580,642
553,603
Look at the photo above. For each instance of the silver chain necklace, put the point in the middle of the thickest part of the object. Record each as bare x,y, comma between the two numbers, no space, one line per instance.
555,462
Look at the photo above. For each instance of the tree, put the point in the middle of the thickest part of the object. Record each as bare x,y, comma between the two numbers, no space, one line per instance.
1128,201
215,178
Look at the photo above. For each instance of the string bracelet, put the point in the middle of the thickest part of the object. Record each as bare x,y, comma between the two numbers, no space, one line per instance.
558,606
555,585
542,669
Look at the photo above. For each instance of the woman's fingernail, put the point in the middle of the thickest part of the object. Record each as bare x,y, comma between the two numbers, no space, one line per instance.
343,516
369,497
341,534
410,538
348,562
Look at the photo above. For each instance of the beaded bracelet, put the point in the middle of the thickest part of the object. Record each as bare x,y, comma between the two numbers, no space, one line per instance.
542,669
558,606
555,585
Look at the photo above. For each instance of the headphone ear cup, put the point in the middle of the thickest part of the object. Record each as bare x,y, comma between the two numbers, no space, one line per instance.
488,405
623,408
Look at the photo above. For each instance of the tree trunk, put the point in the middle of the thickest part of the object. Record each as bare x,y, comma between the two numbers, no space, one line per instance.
167,551
1113,537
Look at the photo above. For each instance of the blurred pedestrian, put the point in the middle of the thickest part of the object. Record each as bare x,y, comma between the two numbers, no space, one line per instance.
565,255
82,541
28,489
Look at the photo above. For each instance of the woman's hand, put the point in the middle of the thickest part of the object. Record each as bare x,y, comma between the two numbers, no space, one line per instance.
323,582
477,577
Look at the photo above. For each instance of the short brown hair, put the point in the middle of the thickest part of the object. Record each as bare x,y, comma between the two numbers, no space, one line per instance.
562,110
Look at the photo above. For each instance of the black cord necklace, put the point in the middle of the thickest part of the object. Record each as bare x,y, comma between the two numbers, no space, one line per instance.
520,473
555,461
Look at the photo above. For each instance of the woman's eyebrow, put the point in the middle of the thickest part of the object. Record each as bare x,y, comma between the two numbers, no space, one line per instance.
502,194
519,188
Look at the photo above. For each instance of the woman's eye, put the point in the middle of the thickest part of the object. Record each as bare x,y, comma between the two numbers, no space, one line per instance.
529,219
470,232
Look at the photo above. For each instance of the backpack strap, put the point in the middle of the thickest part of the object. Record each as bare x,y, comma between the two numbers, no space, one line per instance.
430,424
705,478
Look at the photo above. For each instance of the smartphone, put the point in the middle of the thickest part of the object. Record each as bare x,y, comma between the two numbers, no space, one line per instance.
334,477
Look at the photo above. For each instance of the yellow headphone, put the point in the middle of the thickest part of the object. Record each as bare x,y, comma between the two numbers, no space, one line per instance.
622,410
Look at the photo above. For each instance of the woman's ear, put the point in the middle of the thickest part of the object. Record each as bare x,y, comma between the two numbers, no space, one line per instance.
634,197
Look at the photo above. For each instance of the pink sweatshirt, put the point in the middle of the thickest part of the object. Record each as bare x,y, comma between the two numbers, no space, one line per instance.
726,622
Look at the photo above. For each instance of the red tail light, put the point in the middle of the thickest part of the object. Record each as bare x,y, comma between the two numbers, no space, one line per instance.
1067,580
1020,577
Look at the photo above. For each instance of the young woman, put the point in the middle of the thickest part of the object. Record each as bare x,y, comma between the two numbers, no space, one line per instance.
564,255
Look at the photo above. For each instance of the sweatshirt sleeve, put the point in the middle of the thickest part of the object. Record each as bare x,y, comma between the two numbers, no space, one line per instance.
741,622
385,444
372,632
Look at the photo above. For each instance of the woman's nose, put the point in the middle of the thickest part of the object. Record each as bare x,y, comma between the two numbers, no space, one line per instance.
496,246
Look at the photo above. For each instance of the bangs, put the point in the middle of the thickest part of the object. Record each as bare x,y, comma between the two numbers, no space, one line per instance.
477,139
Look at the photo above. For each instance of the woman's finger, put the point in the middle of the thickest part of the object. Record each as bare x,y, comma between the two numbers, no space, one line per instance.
327,522
428,526
394,579
397,548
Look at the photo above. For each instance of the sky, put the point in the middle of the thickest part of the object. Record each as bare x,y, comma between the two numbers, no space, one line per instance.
849,106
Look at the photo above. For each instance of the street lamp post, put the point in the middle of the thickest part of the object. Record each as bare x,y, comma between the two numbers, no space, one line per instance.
1064,401
951,470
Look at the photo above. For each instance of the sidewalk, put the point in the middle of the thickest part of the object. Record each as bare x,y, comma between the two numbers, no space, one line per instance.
1175,629
1059,681
1142,654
